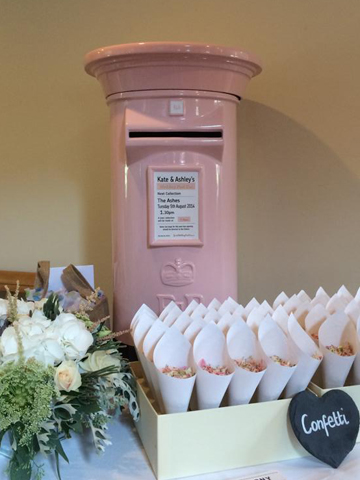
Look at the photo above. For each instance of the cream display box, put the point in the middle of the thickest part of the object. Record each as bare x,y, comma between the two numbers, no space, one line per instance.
204,441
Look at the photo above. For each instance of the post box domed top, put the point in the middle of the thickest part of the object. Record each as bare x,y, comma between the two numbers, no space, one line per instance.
172,66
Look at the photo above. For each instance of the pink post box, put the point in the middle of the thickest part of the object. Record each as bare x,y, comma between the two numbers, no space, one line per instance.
173,133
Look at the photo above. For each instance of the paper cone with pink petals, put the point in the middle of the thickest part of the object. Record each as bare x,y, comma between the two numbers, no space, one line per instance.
320,300
234,304
251,305
174,350
301,313
142,310
210,347
152,337
167,309
314,319
303,297
194,329
308,358
281,299
274,342
182,322
336,304
242,344
352,310
240,313
254,319
265,308
344,292
215,303
142,327
152,371
200,310
225,322
226,306
157,330
281,318
338,330
174,313
191,307
292,304
212,316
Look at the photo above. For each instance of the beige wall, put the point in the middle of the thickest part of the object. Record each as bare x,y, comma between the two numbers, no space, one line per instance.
299,136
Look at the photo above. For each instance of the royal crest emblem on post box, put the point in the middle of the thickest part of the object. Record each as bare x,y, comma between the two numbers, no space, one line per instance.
178,273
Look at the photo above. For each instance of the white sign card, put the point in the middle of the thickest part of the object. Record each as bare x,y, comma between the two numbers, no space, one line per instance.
55,283
264,476
176,205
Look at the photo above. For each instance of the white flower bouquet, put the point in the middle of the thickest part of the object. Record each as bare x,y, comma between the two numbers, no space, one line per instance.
59,374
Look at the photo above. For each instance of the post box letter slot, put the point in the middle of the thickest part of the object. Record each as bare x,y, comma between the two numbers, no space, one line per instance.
173,134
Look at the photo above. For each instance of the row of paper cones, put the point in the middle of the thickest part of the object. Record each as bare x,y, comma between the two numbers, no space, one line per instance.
297,330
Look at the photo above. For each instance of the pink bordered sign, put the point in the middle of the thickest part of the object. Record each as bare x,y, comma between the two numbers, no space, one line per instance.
174,206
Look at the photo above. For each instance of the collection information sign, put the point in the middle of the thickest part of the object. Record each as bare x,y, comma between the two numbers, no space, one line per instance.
176,205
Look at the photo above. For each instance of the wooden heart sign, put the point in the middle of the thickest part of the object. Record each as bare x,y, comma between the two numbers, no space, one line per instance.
327,426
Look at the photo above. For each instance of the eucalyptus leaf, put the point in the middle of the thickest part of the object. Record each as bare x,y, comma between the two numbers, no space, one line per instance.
51,308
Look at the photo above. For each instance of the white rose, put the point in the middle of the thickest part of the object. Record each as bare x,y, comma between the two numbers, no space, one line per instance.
101,359
98,360
75,339
3,306
67,376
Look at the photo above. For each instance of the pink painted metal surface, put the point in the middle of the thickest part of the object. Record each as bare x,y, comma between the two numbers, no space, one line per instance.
173,171
172,65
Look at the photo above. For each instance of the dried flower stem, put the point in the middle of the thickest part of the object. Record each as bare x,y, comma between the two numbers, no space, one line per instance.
19,342
93,296
87,304
14,316
115,334
98,322
13,313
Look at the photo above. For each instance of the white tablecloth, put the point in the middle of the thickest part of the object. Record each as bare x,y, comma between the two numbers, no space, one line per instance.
126,460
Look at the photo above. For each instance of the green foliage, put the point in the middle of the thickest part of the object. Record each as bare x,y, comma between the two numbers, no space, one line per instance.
51,308
26,393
